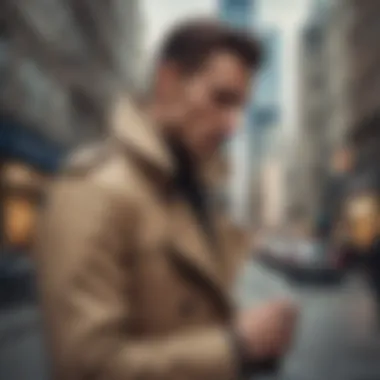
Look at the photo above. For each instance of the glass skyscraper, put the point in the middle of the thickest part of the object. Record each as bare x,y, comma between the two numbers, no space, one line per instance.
264,111
237,12
264,114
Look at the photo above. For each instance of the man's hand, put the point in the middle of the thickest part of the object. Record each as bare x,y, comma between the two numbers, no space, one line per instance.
266,332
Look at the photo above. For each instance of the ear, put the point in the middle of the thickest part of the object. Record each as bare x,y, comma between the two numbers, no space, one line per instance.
168,80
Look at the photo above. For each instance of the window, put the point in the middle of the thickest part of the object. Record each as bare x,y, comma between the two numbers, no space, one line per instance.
19,204
314,37
365,33
317,81
19,221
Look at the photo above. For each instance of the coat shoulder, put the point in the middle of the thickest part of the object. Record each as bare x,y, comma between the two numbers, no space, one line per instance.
103,165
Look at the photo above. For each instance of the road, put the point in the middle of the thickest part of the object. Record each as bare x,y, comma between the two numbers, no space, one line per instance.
335,338
334,341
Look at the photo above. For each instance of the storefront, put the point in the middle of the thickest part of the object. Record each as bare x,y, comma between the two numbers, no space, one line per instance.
27,162
22,189
363,188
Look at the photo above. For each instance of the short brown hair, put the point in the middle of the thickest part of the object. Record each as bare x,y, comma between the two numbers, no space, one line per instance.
191,43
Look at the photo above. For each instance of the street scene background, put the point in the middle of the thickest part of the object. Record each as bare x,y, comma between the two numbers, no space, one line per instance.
304,165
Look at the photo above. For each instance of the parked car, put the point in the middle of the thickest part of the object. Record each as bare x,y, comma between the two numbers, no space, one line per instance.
274,251
315,261
302,259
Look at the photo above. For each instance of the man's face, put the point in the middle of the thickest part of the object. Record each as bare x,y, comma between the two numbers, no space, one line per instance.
210,102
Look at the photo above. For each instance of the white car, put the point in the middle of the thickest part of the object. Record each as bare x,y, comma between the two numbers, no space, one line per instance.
274,250
305,259
313,260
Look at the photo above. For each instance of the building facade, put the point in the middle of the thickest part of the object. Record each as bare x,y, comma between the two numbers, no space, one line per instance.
263,112
338,65
314,104
60,69
339,104
264,115
363,79
354,80
239,13
322,110
62,63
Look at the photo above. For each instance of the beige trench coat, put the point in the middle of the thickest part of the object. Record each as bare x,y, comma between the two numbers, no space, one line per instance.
130,286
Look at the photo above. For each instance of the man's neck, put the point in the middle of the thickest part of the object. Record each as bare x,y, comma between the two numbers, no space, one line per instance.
169,131
157,114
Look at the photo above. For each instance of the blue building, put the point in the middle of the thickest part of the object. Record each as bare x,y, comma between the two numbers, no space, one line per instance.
21,143
27,162
267,103
239,13
265,109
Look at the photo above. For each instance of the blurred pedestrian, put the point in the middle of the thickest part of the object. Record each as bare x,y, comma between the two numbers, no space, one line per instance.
333,193
363,215
135,265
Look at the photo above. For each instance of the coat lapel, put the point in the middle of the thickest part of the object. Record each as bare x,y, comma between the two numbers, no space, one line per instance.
189,245
190,248
140,135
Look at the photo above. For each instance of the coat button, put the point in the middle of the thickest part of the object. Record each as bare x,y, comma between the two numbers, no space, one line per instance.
187,308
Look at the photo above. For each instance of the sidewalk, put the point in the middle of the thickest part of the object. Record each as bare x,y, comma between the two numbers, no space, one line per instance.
17,321
17,283
22,348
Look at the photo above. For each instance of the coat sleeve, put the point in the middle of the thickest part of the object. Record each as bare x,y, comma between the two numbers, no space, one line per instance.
84,253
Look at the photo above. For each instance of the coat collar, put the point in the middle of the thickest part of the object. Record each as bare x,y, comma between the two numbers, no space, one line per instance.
142,138
137,132
132,127
190,246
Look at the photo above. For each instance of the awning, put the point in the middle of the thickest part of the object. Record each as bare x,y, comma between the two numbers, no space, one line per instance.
22,144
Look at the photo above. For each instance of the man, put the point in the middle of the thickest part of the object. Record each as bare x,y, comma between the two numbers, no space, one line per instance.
135,266
333,194
363,221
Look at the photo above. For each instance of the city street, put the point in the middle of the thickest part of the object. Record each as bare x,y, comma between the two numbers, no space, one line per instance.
335,334
333,339
267,110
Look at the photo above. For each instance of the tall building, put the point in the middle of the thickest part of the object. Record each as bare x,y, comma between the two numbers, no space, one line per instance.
354,78
313,148
338,101
239,13
61,62
354,68
266,108
338,64
363,78
263,113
